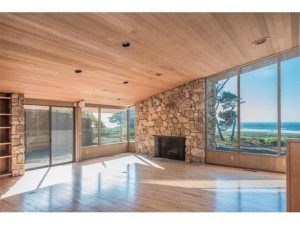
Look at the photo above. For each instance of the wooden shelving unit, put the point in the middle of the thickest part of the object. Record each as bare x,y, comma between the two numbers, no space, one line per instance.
5,174
5,114
1,128
5,156
5,97
5,142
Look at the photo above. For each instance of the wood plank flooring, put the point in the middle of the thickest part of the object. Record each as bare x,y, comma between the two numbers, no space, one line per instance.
133,183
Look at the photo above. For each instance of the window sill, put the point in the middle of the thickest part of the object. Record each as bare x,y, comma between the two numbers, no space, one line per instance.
89,146
115,143
246,153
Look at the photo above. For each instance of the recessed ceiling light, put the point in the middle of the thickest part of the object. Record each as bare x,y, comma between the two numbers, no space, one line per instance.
78,71
158,74
261,41
126,44
125,82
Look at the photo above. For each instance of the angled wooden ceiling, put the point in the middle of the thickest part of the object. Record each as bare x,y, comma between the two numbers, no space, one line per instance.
40,51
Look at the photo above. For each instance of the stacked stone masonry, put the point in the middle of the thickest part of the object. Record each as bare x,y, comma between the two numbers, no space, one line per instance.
17,136
180,111
211,116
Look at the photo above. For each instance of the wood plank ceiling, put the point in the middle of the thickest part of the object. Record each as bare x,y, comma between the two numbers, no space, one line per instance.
40,51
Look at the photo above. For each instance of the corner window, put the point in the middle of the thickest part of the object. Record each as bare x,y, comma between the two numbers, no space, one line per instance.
89,126
113,126
132,124
222,112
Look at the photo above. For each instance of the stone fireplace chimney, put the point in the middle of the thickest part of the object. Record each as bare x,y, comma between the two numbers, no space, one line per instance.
178,112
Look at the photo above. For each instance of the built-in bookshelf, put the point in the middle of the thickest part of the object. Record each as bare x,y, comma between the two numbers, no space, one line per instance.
5,130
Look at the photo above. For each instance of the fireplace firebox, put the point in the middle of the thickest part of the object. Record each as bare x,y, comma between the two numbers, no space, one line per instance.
171,147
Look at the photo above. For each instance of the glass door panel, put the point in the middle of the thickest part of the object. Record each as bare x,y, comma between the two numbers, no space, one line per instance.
62,135
37,131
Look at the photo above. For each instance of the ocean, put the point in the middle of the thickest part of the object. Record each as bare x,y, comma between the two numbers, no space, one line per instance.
286,127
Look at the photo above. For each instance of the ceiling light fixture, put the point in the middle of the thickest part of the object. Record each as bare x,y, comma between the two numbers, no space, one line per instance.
78,71
125,82
126,44
260,41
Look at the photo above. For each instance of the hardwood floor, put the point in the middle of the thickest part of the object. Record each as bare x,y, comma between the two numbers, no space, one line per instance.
134,183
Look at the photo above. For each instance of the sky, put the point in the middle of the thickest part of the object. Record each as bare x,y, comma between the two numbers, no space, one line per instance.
105,118
259,90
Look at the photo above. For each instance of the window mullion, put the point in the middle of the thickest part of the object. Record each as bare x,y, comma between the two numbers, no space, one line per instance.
238,109
99,126
278,105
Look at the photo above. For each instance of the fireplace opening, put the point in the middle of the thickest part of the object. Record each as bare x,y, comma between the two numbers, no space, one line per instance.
170,147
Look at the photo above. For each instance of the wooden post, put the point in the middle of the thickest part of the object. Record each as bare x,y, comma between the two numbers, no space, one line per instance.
78,134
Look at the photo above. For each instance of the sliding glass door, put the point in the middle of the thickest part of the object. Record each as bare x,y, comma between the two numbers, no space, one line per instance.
62,132
49,136
37,141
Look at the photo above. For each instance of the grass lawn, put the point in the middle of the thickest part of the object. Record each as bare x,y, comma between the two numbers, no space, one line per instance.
254,142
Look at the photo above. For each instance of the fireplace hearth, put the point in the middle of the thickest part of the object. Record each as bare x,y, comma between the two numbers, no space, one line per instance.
170,147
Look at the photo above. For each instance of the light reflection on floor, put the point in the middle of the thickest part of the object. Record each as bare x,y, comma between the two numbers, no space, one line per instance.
108,169
127,182
224,185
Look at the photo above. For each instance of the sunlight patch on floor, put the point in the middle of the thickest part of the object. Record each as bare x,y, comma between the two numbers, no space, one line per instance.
121,168
150,162
118,164
36,179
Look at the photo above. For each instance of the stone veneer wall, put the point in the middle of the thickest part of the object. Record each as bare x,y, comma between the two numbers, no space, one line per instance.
211,115
17,134
180,111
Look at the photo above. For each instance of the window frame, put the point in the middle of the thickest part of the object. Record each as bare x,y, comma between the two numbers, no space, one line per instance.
278,58
128,119
100,143
121,130
99,135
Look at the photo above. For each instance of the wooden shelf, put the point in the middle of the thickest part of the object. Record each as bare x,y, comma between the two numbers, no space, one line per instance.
4,128
5,156
5,174
3,97
5,143
5,114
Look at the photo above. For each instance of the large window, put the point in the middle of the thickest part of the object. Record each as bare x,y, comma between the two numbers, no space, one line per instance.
223,112
131,124
259,127
113,126
107,127
255,108
89,126
290,97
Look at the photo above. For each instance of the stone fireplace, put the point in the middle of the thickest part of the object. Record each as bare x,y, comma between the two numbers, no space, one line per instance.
170,147
177,112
